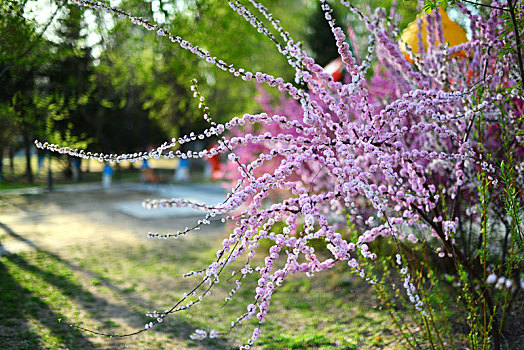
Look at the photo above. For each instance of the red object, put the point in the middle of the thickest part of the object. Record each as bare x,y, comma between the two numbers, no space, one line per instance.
334,68
215,165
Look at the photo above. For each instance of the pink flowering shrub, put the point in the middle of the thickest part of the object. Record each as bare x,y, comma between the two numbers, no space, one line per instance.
413,155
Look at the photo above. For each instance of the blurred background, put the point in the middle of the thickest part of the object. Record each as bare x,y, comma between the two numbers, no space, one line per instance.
85,79
79,254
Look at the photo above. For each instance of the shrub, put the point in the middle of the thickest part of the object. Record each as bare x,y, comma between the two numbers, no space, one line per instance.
425,154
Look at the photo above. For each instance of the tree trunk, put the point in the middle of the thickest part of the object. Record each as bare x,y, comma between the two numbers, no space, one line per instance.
28,169
68,172
1,161
12,159
49,173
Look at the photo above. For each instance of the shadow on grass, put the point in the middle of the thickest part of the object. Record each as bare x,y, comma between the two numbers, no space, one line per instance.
21,306
26,313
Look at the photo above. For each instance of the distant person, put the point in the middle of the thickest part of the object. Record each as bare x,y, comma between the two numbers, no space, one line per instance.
40,163
107,173
182,171
75,169
145,171
212,166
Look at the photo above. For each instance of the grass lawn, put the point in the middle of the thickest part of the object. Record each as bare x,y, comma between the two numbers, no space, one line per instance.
15,178
91,172
110,290
106,284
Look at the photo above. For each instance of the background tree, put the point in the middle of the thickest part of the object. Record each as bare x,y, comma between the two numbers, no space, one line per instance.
22,50
130,90
320,38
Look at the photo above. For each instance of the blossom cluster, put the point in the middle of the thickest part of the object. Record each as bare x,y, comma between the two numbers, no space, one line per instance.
502,282
383,153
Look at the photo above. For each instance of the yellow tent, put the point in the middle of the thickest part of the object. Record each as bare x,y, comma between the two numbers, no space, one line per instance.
453,33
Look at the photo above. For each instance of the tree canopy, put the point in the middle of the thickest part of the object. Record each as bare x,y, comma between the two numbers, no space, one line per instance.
86,79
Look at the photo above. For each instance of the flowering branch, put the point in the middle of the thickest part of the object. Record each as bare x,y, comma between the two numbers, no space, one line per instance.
387,153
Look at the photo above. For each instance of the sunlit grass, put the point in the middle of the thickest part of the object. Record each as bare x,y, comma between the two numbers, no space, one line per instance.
110,289
91,172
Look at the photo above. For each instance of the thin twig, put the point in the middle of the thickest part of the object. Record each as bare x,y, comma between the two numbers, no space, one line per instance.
517,39
484,5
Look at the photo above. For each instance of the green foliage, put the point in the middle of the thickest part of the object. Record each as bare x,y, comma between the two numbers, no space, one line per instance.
320,39
431,5
135,81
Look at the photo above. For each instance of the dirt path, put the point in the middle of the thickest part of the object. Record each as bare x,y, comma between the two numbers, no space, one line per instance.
54,221
105,250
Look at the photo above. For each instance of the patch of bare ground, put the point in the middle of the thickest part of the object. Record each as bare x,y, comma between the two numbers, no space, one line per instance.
79,261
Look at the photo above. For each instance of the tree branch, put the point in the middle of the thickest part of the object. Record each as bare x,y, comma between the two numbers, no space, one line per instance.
32,45
484,5
517,38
